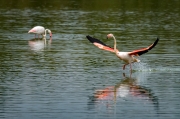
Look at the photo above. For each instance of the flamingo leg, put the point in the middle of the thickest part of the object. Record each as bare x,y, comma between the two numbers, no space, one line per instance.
131,67
124,66
127,64
124,75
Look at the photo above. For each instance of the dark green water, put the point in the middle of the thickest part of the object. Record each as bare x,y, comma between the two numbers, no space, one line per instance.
68,77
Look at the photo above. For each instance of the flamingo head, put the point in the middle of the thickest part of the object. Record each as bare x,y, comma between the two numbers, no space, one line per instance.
50,33
110,35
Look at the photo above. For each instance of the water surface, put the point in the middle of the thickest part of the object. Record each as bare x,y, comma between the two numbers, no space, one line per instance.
68,77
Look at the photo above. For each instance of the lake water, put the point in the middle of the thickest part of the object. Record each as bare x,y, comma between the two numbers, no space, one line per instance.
67,77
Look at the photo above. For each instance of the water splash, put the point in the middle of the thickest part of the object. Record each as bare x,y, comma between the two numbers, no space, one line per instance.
145,67
142,66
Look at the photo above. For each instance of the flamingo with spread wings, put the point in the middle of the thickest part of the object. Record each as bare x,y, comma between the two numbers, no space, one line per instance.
127,57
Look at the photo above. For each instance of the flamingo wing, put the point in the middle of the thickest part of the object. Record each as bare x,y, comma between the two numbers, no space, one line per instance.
144,50
99,44
37,30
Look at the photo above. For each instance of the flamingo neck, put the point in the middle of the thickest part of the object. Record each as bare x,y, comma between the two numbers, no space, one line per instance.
45,32
115,50
48,32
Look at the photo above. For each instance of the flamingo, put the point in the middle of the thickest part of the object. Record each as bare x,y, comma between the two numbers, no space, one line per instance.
40,30
127,57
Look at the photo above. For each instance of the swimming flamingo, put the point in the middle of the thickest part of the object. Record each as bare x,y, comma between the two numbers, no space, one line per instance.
40,30
127,57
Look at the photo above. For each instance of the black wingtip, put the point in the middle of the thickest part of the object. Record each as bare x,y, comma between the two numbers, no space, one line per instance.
90,38
154,44
94,40
157,40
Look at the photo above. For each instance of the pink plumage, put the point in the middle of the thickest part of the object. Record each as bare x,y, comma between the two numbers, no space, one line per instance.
40,30
127,57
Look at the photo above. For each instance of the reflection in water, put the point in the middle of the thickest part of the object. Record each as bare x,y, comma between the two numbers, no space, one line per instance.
37,44
126,89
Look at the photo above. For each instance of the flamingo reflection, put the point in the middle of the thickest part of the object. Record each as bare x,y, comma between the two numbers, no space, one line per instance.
37,44
125,89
